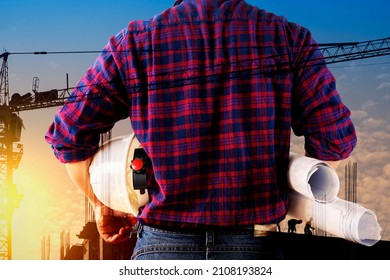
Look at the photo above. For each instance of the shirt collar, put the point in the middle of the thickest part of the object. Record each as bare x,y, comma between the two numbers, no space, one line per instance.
177,2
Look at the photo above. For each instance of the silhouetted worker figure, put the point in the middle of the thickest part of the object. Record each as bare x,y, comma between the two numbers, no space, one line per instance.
308,228
292,223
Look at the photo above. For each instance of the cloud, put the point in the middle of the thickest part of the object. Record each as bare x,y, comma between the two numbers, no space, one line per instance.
373,123
383,85
383,76
386,170
13,76
368,104
353,68
342,77
372,155
53,64
359,114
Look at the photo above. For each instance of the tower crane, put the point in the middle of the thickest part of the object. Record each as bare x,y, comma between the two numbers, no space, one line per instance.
11,124
10,131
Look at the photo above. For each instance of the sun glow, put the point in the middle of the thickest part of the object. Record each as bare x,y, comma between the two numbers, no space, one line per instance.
47,208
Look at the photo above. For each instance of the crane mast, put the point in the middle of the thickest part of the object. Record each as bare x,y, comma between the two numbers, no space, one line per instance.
10,123
10,155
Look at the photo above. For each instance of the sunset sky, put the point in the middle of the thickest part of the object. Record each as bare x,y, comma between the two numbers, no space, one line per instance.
51,203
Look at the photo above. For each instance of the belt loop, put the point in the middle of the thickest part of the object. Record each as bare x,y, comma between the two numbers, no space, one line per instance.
137,230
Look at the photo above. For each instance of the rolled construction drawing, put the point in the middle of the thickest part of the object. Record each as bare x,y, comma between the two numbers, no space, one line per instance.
111,175
340,218
313,178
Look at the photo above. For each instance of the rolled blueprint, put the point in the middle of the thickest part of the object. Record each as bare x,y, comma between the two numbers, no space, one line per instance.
339,217
313,178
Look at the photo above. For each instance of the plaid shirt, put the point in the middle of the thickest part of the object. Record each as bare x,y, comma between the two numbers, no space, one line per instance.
212,89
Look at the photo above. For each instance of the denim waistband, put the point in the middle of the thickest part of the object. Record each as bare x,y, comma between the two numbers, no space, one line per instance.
257,230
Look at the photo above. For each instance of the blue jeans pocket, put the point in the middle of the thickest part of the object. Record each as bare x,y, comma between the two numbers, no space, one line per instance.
157,244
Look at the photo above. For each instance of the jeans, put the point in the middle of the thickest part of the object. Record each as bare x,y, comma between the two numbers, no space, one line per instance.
220,244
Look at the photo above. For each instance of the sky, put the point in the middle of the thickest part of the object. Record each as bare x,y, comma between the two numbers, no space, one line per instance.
51,203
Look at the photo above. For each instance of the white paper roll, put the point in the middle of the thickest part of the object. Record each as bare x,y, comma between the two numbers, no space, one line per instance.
313,178
111,175
339,217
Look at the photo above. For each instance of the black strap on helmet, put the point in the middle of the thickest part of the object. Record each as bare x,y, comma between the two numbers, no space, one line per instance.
139,165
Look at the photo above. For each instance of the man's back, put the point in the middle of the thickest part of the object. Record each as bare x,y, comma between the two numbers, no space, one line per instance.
215,115
213,89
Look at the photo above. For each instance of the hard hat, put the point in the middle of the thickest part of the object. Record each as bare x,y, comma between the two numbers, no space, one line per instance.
111,175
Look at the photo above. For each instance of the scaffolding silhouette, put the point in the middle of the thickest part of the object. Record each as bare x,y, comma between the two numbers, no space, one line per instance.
351,182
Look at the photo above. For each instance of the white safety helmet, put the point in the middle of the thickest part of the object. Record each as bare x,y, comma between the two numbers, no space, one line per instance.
111,175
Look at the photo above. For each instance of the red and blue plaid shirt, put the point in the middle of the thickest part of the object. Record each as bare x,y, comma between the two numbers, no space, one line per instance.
212,89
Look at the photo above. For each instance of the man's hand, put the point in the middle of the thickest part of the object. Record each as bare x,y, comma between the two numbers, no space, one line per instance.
113,226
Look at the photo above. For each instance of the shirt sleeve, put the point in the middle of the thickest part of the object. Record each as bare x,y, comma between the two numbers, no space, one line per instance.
318,112
97,102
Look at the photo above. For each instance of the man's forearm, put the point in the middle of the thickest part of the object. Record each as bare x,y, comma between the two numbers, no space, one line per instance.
79,175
